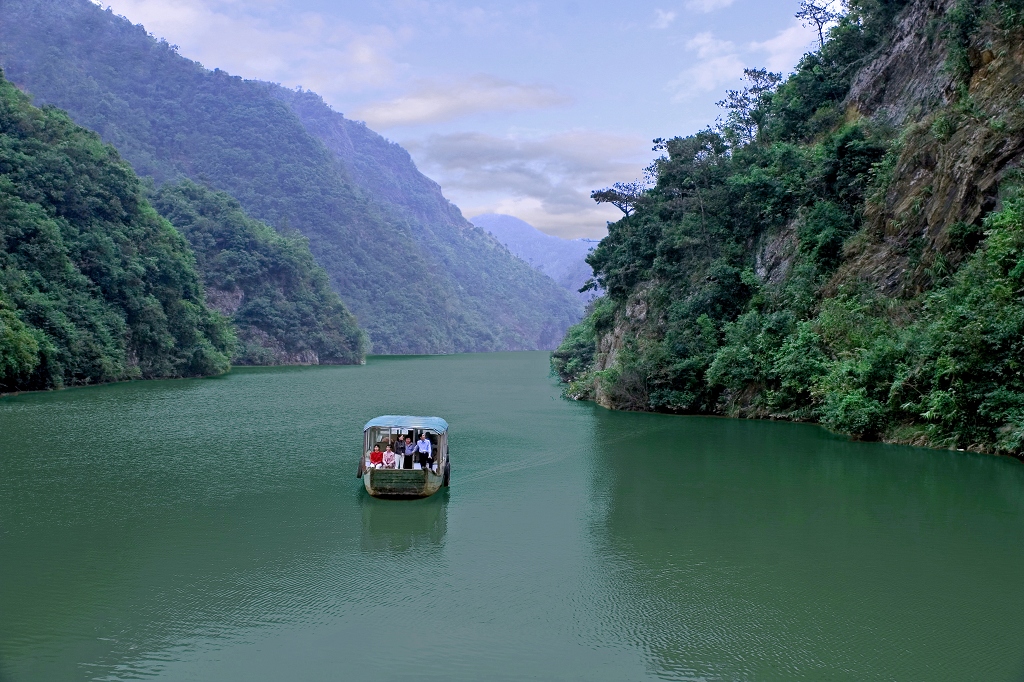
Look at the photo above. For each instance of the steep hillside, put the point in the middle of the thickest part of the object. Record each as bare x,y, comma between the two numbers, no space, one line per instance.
417,286
847,248
94,285
277,297
481,278
563,260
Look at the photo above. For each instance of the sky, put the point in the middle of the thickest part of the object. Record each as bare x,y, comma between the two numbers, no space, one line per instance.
512,107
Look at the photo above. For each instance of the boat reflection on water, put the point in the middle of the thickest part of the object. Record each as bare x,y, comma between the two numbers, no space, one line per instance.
400,526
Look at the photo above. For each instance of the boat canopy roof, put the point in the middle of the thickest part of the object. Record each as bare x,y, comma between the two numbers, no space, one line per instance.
435,424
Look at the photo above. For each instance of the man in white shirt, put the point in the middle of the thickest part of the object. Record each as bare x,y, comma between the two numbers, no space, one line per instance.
424,451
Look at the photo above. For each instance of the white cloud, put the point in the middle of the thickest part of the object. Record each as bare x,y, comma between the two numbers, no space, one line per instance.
543,179
305,49
663,18
721,62
706,6
445,17
787,47
706,45
435,102
718,63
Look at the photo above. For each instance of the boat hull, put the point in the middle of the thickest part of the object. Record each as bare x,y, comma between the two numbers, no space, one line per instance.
401,483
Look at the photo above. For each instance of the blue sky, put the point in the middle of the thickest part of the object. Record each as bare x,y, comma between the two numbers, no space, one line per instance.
518,108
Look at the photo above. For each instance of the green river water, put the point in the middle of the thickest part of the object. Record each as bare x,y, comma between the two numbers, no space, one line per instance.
214,530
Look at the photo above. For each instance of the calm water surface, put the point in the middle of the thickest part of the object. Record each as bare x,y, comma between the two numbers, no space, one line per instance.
214,530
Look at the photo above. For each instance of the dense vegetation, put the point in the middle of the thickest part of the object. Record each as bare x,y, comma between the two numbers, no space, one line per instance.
94,285
415,285
278,298
734,287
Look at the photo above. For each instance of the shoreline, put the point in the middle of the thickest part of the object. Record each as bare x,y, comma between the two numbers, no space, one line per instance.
907,442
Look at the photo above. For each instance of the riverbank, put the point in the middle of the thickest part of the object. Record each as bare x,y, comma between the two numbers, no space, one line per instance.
909,435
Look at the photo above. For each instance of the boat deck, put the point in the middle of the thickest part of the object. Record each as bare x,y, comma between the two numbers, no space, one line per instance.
399,482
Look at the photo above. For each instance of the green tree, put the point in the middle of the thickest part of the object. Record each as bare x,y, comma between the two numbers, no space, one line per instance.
94,285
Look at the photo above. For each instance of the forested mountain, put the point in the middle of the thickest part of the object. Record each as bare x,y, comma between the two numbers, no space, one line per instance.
563,260
498,285
848,247
94,285
418,277
279,300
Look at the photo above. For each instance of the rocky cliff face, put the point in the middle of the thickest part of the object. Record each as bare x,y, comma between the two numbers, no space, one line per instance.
960,138
957,140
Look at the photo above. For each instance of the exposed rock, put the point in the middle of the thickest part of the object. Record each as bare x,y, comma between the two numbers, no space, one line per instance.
907,77
775,255
275,352
953,155
223,301
631,324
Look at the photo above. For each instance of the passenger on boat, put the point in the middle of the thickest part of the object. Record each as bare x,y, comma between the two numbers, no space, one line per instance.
389,458
410,452
399,453
376,458
424,450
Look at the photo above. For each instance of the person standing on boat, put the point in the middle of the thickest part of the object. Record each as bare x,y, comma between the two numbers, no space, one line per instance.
410,452
424,450
399,453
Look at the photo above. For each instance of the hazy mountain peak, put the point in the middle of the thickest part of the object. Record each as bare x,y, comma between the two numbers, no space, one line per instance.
563,260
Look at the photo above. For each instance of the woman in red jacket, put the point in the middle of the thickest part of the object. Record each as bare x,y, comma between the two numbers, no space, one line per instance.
376,457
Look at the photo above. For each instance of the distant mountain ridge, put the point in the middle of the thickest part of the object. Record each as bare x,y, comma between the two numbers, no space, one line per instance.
417,276
385,170
563,260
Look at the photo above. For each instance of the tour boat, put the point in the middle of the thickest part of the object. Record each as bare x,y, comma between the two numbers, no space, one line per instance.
414,480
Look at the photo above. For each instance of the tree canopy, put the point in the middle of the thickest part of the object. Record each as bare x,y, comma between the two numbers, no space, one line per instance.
94,285
275,294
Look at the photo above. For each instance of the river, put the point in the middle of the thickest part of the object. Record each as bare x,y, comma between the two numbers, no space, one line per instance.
213,529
